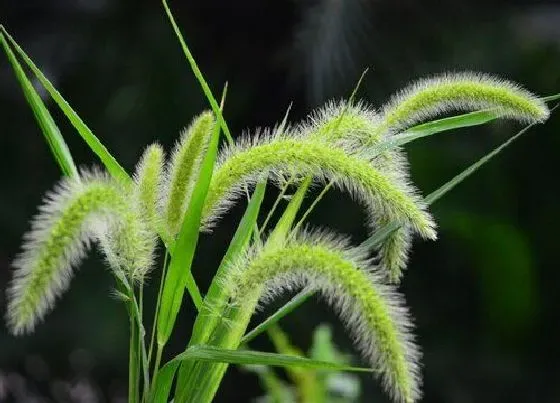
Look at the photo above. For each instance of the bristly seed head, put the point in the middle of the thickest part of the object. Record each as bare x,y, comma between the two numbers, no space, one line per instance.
247,162
75,213
430,97
373,312
182,170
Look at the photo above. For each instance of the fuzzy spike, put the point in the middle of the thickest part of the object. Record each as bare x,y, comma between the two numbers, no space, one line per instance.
147,178
350,126
243,165
182,169
373,312
430,97
340,121
74,214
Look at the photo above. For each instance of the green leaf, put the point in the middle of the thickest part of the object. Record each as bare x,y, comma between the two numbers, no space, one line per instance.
477,118
440,125
551,98
442,190
216,300
284,224
382,233
205,324
198,74
296,301
44,119
179,274
99,149
244,357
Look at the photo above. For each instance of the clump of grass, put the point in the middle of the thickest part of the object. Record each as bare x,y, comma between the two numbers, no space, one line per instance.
348,145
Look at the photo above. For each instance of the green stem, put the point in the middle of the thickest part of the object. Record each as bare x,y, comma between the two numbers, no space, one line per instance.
159,351
137,318
276,203
312,206
153,335
133,378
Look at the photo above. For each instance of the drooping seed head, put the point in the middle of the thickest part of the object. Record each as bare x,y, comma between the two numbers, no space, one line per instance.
248,161
75,213
354,128
338,121
430,97
183,168
373,312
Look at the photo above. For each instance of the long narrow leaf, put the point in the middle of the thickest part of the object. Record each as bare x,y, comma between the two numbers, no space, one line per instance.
205,323
114,168
470,119
379,235
292,304
442,190
246,357
198,74
551,98
179,274
284,224
440,125
243,357
44,119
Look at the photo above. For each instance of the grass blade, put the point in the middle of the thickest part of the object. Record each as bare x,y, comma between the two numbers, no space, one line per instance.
198,74
215,300
246,357
477,118
437,194
440,125
284,225
203,325
446,187
44,119
551,98
179,273
114,168
292,304
242,357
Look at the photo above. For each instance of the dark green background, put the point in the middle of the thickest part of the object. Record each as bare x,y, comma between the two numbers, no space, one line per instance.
484,295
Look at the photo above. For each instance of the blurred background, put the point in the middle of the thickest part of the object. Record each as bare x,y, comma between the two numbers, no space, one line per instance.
484,296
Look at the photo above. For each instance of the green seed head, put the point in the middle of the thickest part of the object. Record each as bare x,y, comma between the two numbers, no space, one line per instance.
182,170
428,98
373,312
356,127
247,162
340,121
77,212
148,188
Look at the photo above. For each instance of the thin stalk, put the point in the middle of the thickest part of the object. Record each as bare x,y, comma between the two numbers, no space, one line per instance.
141,333
159,351
133,368
276,203
153,335
296,301
312,206
140,340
